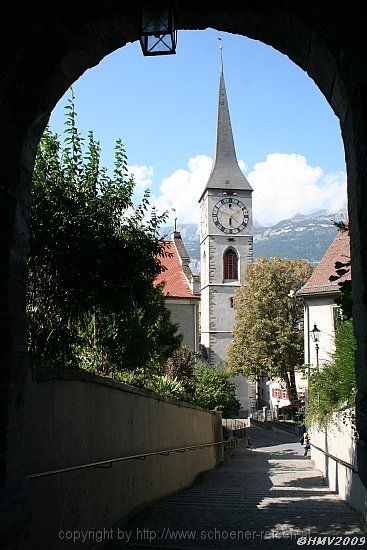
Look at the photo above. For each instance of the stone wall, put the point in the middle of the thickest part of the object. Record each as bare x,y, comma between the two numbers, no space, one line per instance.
339,440
75,418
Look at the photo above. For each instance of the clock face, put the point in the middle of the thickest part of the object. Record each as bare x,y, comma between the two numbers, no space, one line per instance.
230,215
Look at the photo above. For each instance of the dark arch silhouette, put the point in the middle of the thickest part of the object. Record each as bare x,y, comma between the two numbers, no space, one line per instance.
45,48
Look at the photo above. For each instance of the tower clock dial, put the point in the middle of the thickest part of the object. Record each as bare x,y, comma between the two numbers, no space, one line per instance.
230,215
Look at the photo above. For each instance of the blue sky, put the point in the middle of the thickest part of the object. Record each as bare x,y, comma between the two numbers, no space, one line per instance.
164,110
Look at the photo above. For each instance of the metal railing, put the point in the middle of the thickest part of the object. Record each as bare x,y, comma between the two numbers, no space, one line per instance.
338,460
229,447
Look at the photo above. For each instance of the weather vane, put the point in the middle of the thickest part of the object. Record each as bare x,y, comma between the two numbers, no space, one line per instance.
220,40
175,217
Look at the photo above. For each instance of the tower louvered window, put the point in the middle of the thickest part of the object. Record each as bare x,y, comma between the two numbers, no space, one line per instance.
230,262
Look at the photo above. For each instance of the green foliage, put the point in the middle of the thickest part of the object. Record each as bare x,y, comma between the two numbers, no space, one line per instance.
213,389
266,337
94,257
334,387
345,300
200,384
163,385
166,386
181,367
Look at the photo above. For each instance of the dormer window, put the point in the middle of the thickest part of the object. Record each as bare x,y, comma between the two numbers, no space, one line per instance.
230,265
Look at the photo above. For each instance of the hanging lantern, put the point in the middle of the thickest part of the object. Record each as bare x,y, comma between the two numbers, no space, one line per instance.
158,35
315,334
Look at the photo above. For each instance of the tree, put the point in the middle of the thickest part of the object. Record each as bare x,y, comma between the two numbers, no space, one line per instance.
266,337
213,389
94,257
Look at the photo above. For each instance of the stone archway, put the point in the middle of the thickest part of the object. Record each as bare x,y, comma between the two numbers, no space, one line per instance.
44,52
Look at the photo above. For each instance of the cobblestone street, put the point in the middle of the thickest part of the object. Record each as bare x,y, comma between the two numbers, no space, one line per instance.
267,496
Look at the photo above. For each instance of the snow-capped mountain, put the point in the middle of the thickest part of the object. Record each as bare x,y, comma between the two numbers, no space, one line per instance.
303,236
306,237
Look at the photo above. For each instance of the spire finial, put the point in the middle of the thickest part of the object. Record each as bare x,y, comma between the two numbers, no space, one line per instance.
220,40
175,217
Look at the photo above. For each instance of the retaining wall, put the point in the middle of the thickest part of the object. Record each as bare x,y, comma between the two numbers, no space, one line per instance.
75,418
339,440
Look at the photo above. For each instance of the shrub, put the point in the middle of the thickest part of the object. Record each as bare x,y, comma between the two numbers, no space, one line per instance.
213,389
160,384
181,367
166,386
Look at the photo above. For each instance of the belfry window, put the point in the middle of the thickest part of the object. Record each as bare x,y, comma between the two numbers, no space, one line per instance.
230,265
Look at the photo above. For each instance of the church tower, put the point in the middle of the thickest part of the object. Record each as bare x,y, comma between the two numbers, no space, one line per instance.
225,246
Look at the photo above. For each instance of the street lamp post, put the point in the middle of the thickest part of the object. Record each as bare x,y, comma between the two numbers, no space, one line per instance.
315,335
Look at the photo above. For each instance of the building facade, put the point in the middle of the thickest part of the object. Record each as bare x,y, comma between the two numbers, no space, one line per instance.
226,243
319,295
273,394
181,290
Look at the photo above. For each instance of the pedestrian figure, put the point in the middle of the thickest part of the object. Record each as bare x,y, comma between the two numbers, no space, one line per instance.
305,442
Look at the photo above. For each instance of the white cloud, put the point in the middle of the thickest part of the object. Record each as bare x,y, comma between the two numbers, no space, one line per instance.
284,184
243,166
143,177
182,189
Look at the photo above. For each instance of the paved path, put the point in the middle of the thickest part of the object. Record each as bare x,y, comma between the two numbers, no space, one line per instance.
264,497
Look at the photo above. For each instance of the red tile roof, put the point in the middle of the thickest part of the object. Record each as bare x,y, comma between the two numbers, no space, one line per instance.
175,282
338,251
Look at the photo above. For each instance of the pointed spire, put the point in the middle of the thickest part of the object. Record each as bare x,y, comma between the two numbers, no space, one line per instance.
226,173
224,143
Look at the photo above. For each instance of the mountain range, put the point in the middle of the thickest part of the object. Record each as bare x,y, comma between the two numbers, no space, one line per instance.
303,236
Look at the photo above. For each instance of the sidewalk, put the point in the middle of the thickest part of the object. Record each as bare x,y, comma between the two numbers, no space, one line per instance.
265,497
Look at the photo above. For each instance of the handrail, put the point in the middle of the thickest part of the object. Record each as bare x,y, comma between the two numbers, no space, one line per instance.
142,456
339,460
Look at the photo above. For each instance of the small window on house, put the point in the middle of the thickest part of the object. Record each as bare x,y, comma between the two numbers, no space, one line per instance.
284,392
231,301
230,265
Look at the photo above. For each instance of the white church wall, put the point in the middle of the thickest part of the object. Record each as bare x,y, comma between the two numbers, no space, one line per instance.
319,310
224,316
185,313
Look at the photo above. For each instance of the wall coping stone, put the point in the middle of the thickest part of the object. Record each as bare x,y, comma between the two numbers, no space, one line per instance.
59,373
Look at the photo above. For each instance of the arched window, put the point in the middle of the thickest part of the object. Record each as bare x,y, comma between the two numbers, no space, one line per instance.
230,264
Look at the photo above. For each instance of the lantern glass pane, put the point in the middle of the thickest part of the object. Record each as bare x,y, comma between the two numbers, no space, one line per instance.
160,43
